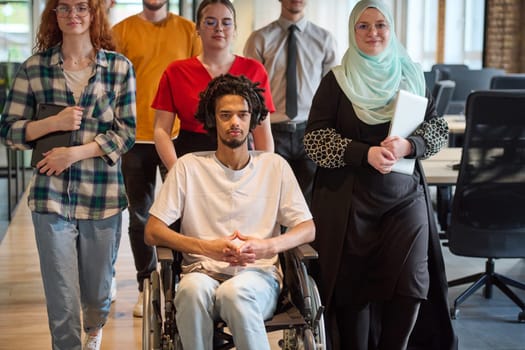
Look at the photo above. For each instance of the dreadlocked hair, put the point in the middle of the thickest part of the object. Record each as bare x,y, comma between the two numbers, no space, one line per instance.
227,84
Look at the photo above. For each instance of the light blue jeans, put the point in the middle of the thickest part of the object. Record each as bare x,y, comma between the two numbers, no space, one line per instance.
118,236
243,302
76,265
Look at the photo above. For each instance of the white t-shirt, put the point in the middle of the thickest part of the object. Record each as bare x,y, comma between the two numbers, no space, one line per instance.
214,201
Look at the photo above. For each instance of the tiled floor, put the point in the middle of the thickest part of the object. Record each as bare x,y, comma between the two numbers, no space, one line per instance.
487,324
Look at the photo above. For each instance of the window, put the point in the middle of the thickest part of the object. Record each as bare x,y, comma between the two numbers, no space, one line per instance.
15,31
416,25
463,34
15,42
421,31
474,30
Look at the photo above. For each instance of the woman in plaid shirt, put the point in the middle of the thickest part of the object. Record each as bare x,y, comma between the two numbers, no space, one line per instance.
77,193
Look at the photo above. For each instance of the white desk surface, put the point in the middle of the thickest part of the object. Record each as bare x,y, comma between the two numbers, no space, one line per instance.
456,123
438,168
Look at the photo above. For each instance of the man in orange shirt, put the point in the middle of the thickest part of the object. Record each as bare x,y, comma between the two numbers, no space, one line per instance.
151,39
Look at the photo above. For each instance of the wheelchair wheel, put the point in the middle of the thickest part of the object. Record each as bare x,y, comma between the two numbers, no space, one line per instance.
151,324
309,341
313,335
318,330
177,344
146,311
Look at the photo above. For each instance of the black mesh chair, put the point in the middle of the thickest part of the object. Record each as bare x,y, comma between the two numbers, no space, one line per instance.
442,94
508,82
488,211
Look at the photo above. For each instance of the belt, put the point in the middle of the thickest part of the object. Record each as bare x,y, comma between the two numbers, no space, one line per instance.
289,126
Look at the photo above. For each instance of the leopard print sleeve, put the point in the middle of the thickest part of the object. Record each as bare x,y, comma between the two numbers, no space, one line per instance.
326,147
435,134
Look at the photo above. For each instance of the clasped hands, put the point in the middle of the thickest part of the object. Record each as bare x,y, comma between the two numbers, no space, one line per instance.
240,250
389,151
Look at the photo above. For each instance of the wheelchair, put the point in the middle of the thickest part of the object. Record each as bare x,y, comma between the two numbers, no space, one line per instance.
299,313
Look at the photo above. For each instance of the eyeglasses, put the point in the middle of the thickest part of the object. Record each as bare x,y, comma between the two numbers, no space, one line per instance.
364,28
212,22
81,10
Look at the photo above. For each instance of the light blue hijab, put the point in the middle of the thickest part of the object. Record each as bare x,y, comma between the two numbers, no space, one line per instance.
371,82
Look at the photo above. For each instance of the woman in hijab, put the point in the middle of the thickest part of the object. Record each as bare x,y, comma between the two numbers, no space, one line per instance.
380,263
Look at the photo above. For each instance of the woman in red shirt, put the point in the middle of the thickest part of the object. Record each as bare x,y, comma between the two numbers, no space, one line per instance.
183,80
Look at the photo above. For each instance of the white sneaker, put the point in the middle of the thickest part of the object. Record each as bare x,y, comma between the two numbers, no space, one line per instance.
113,290
137,309
92,342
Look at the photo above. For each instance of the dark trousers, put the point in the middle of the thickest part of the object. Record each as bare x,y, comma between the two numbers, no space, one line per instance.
139,167
377,326
289,144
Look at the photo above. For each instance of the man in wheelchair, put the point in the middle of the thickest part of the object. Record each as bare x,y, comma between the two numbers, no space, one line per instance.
231,203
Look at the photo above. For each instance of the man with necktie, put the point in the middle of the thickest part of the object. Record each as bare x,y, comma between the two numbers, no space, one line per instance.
296,54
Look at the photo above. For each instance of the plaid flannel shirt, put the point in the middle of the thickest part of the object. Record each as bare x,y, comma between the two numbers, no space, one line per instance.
91,189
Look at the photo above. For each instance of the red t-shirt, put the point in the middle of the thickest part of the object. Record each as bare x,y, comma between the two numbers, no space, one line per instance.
183,80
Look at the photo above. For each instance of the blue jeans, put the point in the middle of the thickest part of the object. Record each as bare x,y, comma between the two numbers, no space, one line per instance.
76,265
243,302
117,246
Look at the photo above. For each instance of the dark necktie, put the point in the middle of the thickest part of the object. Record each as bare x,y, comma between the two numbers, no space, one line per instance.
291,74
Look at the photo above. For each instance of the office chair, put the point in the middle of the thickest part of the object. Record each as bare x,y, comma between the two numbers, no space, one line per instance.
442,94
468,81
488,211
299,313
508,82
432,77
448,69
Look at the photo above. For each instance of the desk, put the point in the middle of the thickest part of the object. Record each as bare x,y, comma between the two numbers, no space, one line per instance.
456,123
438,171
438,168
456,129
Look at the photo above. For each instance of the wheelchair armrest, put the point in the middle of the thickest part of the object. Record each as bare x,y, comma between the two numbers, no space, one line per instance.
305,252
164,254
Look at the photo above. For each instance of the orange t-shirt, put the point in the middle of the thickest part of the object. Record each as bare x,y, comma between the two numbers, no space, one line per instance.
151,47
